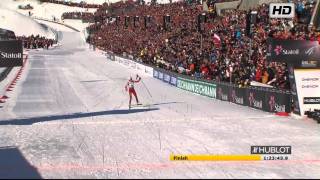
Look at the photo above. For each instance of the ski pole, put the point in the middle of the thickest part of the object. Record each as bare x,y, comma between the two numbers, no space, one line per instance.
146,88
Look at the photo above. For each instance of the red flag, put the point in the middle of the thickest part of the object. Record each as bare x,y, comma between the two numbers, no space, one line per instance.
216,39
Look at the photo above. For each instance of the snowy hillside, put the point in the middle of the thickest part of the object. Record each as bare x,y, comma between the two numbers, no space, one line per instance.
44,10
112,1
50,11
22,25
91,1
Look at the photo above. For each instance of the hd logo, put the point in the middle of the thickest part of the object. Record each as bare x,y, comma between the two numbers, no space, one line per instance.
281,10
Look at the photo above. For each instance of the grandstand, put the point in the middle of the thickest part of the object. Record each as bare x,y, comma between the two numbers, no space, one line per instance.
220,52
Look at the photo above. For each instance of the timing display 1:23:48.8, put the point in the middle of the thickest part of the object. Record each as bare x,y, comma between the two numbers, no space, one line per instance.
275,158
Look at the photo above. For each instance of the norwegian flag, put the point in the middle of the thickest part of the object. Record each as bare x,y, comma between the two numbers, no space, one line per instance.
216,39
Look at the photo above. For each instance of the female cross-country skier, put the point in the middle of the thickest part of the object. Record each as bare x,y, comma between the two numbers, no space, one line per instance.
130,87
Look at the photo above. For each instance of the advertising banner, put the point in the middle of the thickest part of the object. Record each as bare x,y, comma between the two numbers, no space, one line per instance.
107,55
166,78
116,58
160,76
255,98
198,87
294,93
11,53
112,57
173,80
292,51
238,96
133,64
277,102
155,74
140,67
311,100
148,70
308,88
125,61
223,92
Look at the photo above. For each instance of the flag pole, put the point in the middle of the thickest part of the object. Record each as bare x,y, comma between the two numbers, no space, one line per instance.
201,42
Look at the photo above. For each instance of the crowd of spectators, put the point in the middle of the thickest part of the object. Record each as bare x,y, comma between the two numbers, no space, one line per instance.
82,4
304,9
25,7
85,16
220,52
36,42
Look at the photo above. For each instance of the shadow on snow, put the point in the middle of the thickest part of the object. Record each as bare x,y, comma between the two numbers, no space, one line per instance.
13,165
32,120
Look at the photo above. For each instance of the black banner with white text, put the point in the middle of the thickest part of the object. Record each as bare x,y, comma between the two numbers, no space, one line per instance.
11,53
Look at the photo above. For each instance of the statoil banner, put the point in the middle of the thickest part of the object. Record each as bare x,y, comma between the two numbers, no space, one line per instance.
292,51
11,53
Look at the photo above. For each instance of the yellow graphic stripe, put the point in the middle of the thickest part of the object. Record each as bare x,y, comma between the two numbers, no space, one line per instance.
215,157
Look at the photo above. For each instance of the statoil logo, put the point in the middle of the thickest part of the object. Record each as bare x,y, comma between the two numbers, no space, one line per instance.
223,96
10,55
235,98
253,102
280,50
